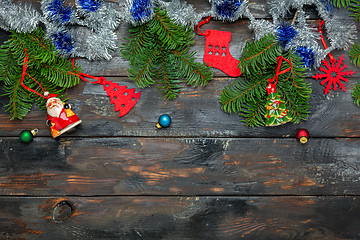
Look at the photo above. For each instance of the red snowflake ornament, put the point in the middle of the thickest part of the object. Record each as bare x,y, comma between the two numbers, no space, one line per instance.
333,74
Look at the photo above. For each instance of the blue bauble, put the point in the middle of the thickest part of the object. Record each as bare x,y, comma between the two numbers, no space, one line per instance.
164,121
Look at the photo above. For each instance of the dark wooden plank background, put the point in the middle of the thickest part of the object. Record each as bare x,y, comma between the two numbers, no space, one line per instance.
207,176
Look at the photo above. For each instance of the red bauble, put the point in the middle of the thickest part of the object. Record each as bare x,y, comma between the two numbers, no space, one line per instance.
303,135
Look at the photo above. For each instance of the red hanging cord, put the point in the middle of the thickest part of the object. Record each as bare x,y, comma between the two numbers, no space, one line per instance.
83,75
271,87
332,59
25,64
279,60
207,20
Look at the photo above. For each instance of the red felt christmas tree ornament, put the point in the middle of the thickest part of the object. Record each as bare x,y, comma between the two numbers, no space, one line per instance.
122,97
217,52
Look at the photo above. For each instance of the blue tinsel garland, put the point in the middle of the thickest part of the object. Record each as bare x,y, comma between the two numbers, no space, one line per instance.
58,12
62,41
328,4
90,5
285,33
141,10
307,54
227,9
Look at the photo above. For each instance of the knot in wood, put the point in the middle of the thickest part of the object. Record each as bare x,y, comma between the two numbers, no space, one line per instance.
62,211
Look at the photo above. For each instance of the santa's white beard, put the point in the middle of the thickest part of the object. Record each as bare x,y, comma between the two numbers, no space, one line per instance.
55,109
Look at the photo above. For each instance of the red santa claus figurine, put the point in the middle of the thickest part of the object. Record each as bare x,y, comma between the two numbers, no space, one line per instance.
60,116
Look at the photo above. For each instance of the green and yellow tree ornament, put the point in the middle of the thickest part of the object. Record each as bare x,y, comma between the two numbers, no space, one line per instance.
276,110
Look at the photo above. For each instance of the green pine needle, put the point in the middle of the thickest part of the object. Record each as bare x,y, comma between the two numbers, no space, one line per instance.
352,5
356,94
247,96
341,3
258,54
54,73
354,53
158,52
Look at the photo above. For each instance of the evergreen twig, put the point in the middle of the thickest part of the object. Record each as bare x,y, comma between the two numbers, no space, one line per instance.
356,94
247,96
354,52
53,72
159,53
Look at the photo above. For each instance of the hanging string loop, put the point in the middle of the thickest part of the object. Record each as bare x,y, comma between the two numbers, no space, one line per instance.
321,23
207,20
273,81
83,75
46,94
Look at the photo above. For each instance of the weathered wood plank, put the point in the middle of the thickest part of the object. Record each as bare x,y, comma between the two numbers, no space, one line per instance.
183,218
197,112
163,166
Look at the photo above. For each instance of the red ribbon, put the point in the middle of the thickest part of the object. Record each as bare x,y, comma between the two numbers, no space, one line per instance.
272,86
207,20
25,64
83,75
332,59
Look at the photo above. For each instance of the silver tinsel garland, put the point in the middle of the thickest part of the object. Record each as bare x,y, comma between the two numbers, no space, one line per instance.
22,17
183,13
100,39
92,31
341,33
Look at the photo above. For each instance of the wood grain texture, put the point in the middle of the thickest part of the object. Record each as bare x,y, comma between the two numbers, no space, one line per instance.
179,166
183,218
207,176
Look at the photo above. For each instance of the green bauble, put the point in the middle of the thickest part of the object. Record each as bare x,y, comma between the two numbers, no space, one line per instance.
26,136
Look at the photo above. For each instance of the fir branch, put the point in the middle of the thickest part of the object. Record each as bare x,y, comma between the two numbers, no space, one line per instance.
254,114
294,90
354,53
259,54
170,88
159,54
141,69
235,97
54,73
197,74
352,5
167,32
20,101
247,97
356,94
355,8
132,45
341,3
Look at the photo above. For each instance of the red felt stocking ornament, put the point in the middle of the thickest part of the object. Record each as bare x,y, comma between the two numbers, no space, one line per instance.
217,52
